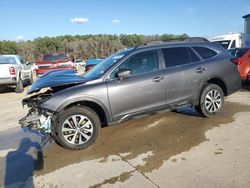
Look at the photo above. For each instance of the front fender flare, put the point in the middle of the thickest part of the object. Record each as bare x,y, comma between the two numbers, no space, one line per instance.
86,99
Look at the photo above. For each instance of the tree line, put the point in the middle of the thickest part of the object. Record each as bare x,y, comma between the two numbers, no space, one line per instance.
78,46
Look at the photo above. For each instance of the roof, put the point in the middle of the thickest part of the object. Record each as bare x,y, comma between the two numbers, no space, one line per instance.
172,41
248,15
9,55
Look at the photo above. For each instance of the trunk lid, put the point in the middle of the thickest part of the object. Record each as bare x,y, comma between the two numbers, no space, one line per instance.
5,70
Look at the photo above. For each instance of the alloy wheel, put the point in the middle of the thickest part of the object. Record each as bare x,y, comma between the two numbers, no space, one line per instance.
77,129
213,101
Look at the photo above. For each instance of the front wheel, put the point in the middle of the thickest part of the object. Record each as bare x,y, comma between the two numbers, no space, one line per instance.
211,100
77,128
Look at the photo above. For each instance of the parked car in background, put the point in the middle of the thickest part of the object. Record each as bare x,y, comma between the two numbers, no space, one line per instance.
15,71
242,60
90,63
79,64
150,77
54,62
33,66
228,41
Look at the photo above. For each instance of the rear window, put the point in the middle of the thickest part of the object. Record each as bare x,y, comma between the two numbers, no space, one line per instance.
205,53
176,56
7,60
238,52
225,43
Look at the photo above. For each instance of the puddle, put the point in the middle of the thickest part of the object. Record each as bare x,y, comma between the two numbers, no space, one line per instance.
172,134
10,139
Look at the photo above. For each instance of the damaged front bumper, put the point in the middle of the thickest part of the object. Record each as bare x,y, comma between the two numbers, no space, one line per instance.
38,119
37,122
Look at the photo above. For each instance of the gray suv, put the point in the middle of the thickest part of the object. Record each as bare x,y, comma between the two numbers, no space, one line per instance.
150,77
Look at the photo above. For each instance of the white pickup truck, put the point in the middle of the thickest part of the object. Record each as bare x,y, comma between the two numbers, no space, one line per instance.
14,70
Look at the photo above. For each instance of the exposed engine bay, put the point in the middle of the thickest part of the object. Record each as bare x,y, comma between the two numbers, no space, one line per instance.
37,118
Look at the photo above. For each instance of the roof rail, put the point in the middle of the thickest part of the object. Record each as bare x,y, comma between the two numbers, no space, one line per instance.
173,40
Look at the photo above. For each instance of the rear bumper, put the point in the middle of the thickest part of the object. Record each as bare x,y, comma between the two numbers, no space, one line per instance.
8,81
234,86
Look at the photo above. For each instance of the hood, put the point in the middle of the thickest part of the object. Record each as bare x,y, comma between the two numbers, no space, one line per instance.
54,79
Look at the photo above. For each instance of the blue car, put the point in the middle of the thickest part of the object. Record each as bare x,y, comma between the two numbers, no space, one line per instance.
90,63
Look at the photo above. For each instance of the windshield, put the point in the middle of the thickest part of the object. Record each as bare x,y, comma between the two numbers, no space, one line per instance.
238,52
102,67
7,60
93,61
78,60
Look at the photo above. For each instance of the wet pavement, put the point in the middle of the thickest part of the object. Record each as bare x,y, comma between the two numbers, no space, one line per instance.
168,149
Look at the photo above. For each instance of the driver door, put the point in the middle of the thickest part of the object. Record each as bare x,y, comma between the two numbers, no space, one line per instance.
25,69
143,90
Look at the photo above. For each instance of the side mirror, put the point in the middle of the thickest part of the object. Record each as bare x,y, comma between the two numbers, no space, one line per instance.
123,74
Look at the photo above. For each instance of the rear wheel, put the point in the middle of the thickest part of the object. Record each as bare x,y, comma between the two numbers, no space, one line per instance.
19,86
31,79
77,128
211,100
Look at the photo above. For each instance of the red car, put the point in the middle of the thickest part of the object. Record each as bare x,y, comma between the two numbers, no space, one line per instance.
242,60
54,62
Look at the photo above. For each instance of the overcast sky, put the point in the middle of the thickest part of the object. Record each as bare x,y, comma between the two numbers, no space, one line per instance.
28,19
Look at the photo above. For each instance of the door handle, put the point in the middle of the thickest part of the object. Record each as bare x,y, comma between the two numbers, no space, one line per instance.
157,78
200,70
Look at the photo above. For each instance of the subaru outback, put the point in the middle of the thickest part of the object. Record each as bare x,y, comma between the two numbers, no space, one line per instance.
150,77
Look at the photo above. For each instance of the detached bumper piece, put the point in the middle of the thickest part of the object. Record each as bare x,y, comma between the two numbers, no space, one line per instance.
41,123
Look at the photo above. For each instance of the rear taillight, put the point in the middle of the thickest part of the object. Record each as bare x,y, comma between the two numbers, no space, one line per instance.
12,70
236,61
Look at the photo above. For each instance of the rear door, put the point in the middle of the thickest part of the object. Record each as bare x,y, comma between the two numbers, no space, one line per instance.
174,57
180,73
25,68
197,69
193,72
144,90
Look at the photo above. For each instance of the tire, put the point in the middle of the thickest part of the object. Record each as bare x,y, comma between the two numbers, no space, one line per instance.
70,135
31,79
211,100
198,109
19,86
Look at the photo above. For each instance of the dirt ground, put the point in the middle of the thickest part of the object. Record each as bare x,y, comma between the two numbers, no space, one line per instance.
168,149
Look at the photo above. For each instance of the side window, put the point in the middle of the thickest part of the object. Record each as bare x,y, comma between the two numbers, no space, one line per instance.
193,56
22,61
233,45
205,53
176,56
140,63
